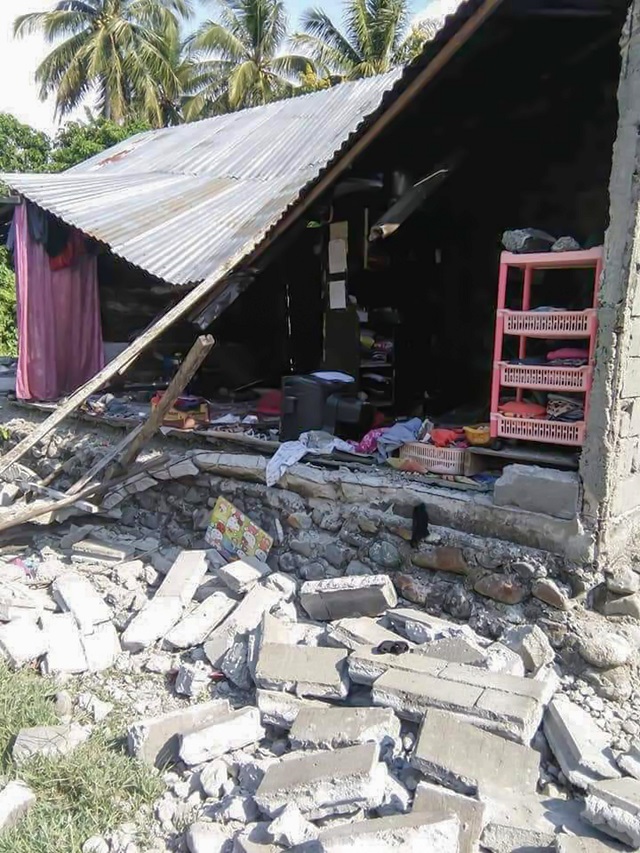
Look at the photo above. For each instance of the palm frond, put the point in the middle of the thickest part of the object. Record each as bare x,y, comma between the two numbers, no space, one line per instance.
291,65
244,81
317,24
215,38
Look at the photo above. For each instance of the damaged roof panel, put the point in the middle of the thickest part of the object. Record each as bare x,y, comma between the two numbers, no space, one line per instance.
180,202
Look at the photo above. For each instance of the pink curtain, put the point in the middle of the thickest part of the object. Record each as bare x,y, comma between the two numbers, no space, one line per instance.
59,329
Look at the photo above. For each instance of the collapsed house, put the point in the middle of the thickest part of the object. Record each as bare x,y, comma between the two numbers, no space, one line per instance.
357,232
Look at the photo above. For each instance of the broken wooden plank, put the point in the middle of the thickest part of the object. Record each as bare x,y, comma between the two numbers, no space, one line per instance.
39,489
104,461
184,375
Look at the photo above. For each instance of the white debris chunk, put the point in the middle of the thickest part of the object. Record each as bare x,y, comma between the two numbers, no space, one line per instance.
290,828
22,641
237,730
613,807
48,741
65,650
75,593
196,626
16,799
241,575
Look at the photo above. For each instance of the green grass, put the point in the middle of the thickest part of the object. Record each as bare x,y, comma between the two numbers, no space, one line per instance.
89,792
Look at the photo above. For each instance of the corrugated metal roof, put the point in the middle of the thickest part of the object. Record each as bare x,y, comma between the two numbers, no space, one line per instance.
190,201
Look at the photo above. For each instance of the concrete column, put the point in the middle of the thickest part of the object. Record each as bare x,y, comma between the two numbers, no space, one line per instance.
610,465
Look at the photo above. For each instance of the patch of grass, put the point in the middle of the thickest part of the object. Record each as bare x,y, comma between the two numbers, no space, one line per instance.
90,792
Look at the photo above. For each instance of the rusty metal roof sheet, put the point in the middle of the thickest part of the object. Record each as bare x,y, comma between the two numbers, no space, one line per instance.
186,202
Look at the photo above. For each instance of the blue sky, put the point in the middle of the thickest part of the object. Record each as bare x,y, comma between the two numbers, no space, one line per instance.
19,59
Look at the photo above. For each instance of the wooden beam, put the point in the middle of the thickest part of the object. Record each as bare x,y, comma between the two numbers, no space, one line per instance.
104,461
184,375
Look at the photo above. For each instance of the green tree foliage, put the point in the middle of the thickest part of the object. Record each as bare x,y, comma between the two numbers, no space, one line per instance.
77,141
8,333
22,149
241,60
375,38
117,48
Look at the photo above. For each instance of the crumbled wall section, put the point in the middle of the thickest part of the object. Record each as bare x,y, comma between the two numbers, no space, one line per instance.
611,460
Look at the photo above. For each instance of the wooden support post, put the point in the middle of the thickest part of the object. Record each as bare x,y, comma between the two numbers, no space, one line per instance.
185,374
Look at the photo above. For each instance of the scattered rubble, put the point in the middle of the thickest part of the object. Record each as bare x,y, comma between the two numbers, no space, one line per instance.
299,702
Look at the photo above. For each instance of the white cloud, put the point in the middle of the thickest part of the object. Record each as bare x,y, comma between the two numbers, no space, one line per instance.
437,10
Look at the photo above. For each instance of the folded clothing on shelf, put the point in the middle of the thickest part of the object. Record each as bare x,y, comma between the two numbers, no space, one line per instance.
561,407
522,409
568,352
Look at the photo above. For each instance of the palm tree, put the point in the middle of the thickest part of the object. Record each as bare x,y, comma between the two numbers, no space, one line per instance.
120,49
238,58
376,38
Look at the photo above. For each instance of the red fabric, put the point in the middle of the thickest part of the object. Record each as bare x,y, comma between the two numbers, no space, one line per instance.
522,409
59,329
71,252
568,352
445,437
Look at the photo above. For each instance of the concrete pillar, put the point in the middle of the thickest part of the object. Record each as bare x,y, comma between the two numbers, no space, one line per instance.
610,464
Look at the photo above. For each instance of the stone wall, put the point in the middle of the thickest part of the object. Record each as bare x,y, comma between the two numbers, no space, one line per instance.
611,460
319,532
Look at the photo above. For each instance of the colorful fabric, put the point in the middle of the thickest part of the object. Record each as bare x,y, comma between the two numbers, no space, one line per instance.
446,437
522,409
369,442
59,330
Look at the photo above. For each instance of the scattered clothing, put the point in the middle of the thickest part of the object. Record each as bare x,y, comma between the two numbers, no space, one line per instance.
568,352
368,444
441,437
565,408
290,452
397,435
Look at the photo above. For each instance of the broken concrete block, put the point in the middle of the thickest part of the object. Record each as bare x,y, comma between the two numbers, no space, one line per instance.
526,823
540,690
48,741
411,693
254,838
420,627
627,605
243,619
75,593
290,828
156,740
235,664
8,494
582,748
195,627
98,709
454,650
279,582
396,798
303,670
212,777
184,576
95,550
16,799
577,844
462,757
438,803
365,665
153,622
241,575
515,717
531,643
328,728
408,833
22,641
192,679
281,709
630,761
101,647
536,489
270,630
355,595
500,658
361,631
236,730
205,838
65,652
325,783
613,807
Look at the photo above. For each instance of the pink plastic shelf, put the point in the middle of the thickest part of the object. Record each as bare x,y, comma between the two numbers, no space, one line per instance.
583,259
552,324
545,378
439,460
554,432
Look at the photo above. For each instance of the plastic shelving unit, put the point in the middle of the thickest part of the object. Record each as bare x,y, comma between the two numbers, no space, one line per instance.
547,325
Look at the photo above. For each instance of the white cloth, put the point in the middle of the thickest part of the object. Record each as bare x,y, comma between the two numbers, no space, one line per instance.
291,452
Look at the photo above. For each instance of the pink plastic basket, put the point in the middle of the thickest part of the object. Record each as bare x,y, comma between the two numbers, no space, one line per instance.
546,378
439,460
554,432
552,324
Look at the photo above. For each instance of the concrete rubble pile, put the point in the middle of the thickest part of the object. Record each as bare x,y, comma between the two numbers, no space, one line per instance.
323,716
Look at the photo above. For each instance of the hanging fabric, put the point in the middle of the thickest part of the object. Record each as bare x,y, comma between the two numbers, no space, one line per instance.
59,330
